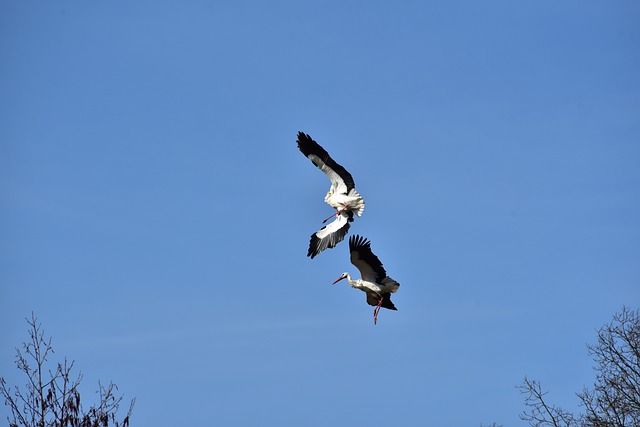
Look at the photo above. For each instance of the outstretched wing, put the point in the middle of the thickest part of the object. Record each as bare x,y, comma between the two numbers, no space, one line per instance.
331,234
341,179
365,260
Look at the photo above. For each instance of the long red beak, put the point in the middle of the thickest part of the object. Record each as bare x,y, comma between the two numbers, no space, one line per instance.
339,278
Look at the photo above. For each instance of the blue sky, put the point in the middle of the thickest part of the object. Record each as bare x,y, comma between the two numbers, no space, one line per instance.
156,212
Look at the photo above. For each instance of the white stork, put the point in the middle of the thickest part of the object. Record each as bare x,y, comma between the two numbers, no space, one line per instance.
374,280
342,196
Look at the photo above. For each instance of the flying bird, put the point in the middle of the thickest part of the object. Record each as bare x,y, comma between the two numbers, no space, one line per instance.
374,280
342,196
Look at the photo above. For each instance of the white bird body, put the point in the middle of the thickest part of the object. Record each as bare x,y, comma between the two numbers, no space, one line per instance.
387,286
342,196
352,201
374,280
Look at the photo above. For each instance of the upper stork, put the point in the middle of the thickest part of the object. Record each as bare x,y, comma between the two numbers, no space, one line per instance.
374,280
342,196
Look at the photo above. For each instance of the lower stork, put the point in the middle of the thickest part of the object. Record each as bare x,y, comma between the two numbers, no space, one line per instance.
374,280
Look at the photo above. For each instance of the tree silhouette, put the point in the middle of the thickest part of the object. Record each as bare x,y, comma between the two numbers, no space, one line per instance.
614,399
51,397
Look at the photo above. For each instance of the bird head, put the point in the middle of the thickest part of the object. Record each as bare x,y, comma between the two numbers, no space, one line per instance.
342,276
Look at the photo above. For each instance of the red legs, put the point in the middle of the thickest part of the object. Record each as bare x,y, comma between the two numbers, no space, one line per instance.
337,213
376,311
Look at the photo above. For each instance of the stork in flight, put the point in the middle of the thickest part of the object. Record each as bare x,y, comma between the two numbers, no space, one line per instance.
374,280
342,196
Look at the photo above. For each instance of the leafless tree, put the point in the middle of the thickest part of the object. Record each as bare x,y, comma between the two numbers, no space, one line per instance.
51,397
614,399
541,413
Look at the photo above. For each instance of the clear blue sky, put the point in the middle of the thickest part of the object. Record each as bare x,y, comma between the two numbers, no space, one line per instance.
155,211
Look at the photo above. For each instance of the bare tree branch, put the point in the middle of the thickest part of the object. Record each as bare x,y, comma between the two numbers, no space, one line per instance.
539,412
52,397
614,399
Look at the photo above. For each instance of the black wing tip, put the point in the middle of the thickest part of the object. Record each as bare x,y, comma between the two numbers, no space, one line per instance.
303,136
314,246
356,241
305,143
314,249
308,146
